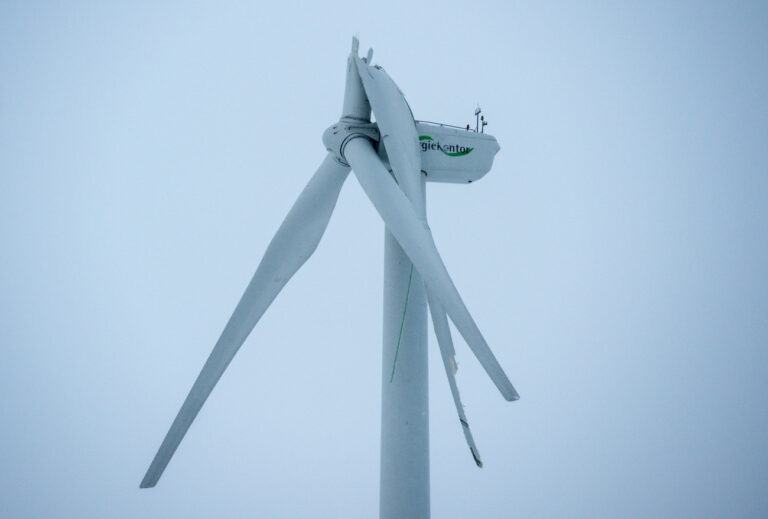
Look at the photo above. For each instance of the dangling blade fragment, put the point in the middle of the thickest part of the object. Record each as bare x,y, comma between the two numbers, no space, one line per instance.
443,334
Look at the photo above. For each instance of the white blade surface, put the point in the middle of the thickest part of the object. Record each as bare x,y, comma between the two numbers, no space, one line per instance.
295,241
401,141
443,334
415,238
397,129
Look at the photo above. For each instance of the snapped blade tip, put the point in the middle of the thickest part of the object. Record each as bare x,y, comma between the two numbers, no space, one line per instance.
510,393
148,482
476,457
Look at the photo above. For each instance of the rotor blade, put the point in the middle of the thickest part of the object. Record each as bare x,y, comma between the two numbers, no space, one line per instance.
397,129
443,334
416,240
295,241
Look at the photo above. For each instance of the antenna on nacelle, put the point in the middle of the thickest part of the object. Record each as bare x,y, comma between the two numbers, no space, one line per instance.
478,111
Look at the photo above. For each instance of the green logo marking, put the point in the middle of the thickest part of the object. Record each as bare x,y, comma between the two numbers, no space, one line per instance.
451,150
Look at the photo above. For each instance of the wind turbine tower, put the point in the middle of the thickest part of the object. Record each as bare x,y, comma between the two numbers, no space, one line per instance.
393,159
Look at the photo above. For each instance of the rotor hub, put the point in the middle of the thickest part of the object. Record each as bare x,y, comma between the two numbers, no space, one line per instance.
336,137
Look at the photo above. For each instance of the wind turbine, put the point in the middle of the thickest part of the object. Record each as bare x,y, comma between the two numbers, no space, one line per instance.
392,159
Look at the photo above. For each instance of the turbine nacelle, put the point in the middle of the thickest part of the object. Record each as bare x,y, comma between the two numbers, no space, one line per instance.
455,155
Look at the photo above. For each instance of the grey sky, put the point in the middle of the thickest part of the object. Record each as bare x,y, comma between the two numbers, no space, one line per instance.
615,258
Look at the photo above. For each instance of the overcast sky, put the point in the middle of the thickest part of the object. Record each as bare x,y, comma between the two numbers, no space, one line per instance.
616,257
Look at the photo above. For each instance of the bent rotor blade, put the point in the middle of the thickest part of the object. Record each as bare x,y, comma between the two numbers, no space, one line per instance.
295,241
397,129
416,240
443,334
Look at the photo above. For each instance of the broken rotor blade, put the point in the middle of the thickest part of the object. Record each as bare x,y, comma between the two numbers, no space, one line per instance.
295,241
397,129
415,238
401,142
443,334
